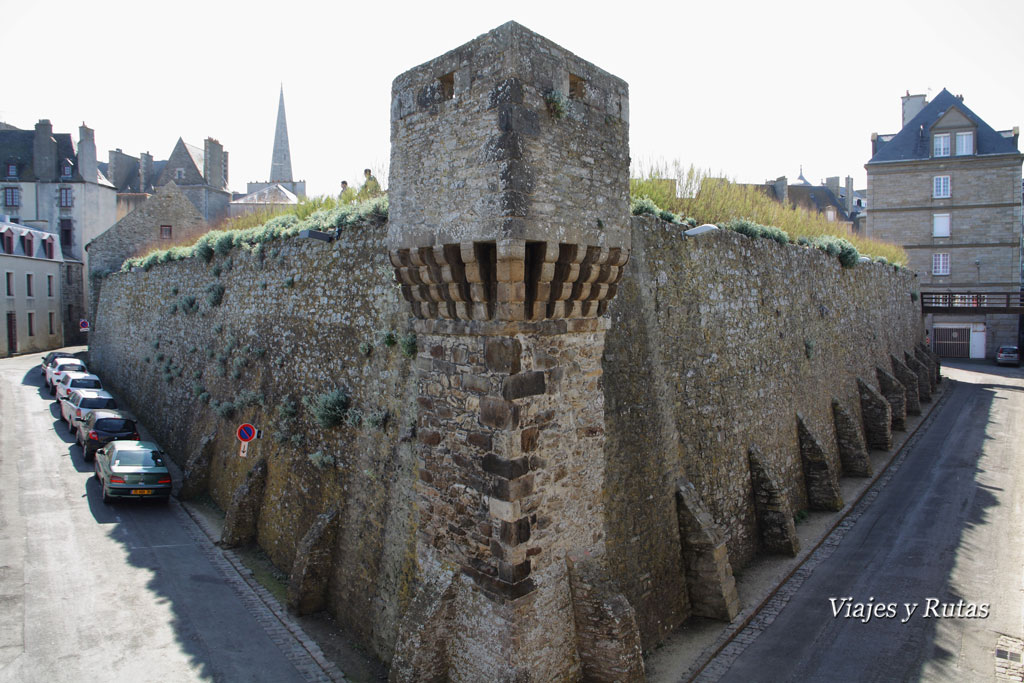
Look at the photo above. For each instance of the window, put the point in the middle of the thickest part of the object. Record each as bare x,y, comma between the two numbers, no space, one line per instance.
940,225
8,242
12,170
51,323
165,232
65,171
964,143
830,214
66,199
940,145
179,174
28,285
12,196
26,244
940,187
31,324
940,264
65,233
49,286
48,244
10,284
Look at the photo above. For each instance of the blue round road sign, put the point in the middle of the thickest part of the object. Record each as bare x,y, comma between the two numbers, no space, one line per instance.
246,433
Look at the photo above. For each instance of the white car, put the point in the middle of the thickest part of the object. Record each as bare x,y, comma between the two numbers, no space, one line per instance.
76,380
80,402
58,366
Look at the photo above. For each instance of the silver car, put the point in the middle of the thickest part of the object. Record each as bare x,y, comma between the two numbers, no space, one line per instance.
1008,355
76,380
80,402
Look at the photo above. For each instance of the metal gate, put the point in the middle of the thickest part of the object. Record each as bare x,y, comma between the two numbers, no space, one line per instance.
953,342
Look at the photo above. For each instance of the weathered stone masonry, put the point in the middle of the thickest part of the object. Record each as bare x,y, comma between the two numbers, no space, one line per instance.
603,416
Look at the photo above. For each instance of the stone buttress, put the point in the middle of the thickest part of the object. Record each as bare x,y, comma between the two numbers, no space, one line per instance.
508,233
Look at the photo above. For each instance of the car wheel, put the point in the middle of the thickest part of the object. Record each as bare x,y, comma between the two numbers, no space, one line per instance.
87,456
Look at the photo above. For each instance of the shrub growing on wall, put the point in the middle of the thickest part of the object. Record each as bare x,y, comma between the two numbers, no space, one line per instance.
328,408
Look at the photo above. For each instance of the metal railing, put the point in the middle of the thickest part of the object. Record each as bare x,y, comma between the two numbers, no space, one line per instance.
972,302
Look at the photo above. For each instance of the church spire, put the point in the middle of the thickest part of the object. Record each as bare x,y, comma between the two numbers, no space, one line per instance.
281,163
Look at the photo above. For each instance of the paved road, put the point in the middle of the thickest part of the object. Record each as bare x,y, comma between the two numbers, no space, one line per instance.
119,593
944,533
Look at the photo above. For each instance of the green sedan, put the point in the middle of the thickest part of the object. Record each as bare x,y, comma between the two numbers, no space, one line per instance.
132,469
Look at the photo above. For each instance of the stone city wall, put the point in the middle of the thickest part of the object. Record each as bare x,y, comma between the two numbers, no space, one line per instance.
299,319
717,343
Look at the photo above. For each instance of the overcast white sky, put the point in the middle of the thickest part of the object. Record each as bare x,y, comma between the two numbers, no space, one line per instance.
751,89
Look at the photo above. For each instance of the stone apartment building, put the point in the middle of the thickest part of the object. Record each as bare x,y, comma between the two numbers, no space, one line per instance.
52,185
30,267
947,187
201,174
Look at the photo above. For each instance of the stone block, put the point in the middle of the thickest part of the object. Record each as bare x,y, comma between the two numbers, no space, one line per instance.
498,413
820,477
908,378
523,385
241,520
503,354
853,453
876,414
896,395
311,571
771,504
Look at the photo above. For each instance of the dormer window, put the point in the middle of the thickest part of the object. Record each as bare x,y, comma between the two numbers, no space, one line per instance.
940,145
12,170
26,245
965,143
65,171
830,214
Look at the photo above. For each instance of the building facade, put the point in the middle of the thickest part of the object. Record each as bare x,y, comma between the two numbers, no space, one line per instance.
947,187
52,185
31,268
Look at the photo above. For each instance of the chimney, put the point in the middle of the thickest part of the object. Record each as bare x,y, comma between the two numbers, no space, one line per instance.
782,189
44,152
213,163
86,154
912,106
145,171
832,185
849,195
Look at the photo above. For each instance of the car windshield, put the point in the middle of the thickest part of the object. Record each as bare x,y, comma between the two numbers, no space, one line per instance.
112,424
86,384
138,459
70,368
94,403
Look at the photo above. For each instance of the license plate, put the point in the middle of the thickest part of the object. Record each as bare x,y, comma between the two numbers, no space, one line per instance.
141,492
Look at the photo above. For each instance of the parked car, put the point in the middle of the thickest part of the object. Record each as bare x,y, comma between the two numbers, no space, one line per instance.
1008,355
132,469
76,380
50,356
58,366
101,427
80,402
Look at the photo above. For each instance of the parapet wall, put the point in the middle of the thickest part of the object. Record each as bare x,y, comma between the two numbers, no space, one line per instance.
716,343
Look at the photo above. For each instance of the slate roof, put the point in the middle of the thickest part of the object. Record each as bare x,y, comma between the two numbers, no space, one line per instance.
273,194
16,147
914,140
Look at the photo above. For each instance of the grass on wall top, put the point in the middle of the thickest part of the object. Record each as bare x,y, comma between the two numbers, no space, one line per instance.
689,192
252,231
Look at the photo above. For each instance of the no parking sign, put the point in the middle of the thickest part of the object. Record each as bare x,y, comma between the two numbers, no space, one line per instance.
246,433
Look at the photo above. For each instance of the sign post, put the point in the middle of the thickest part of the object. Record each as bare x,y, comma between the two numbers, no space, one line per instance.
246,433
